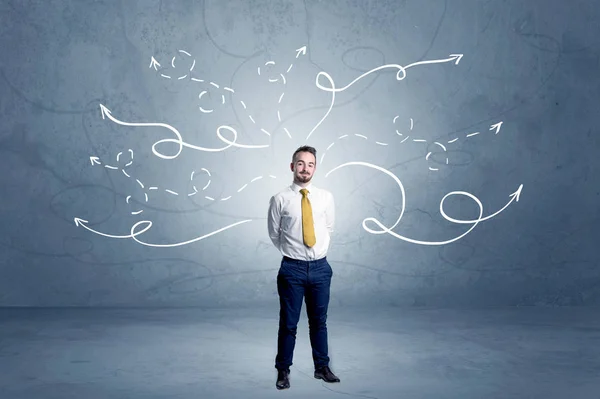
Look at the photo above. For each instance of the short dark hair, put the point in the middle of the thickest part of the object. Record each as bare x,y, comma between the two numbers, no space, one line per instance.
305,148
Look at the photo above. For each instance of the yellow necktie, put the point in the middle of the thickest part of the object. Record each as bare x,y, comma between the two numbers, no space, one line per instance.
308,229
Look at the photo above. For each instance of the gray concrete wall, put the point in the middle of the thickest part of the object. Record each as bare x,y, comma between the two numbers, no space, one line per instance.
530,65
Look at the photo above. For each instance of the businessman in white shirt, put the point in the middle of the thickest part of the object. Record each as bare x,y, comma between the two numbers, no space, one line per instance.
300,221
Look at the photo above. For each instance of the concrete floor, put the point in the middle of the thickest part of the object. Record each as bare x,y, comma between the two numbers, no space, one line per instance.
377,353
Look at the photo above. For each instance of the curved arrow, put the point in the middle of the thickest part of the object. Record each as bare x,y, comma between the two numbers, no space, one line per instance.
384,229
400,75
133,234
106,113
514,197
83,223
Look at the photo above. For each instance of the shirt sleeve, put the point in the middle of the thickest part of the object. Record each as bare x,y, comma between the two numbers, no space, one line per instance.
274,222
330,214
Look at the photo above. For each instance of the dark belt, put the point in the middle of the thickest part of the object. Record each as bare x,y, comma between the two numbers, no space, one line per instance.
301,260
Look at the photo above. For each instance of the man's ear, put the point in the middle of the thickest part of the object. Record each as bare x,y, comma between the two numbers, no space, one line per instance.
292,166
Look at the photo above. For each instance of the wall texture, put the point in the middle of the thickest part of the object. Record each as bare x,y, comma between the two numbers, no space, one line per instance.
132,130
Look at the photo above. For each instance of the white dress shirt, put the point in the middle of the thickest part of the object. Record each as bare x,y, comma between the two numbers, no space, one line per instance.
284,222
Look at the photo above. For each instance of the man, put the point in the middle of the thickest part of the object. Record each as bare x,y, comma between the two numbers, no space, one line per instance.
300,220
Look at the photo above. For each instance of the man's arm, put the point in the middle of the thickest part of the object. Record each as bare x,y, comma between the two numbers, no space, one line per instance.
274,222
330,214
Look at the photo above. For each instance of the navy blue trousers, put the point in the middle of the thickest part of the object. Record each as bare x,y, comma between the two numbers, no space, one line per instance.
311,281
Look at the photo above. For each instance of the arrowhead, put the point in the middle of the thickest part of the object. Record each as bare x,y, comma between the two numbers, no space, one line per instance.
497,127
301,50
457,57
95,160
154,63
79,221
517,193
105,111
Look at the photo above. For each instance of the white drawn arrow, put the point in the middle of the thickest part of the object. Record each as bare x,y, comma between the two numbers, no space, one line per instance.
400,75
301,50
401,69
514,197
96,160
453,57
384,229
496,126
133,234
106,113
83,223
154,64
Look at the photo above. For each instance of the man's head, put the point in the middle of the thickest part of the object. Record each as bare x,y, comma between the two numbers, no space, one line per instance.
304,164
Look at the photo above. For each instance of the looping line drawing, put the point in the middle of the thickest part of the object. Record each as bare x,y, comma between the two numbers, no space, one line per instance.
205,94
514,197
211,95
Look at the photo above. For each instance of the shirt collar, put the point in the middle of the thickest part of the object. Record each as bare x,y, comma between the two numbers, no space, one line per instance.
296,188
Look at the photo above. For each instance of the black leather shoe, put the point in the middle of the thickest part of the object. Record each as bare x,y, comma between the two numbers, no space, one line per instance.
325,374
283,379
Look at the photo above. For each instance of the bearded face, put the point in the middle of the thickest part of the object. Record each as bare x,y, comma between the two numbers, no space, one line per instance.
303,167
